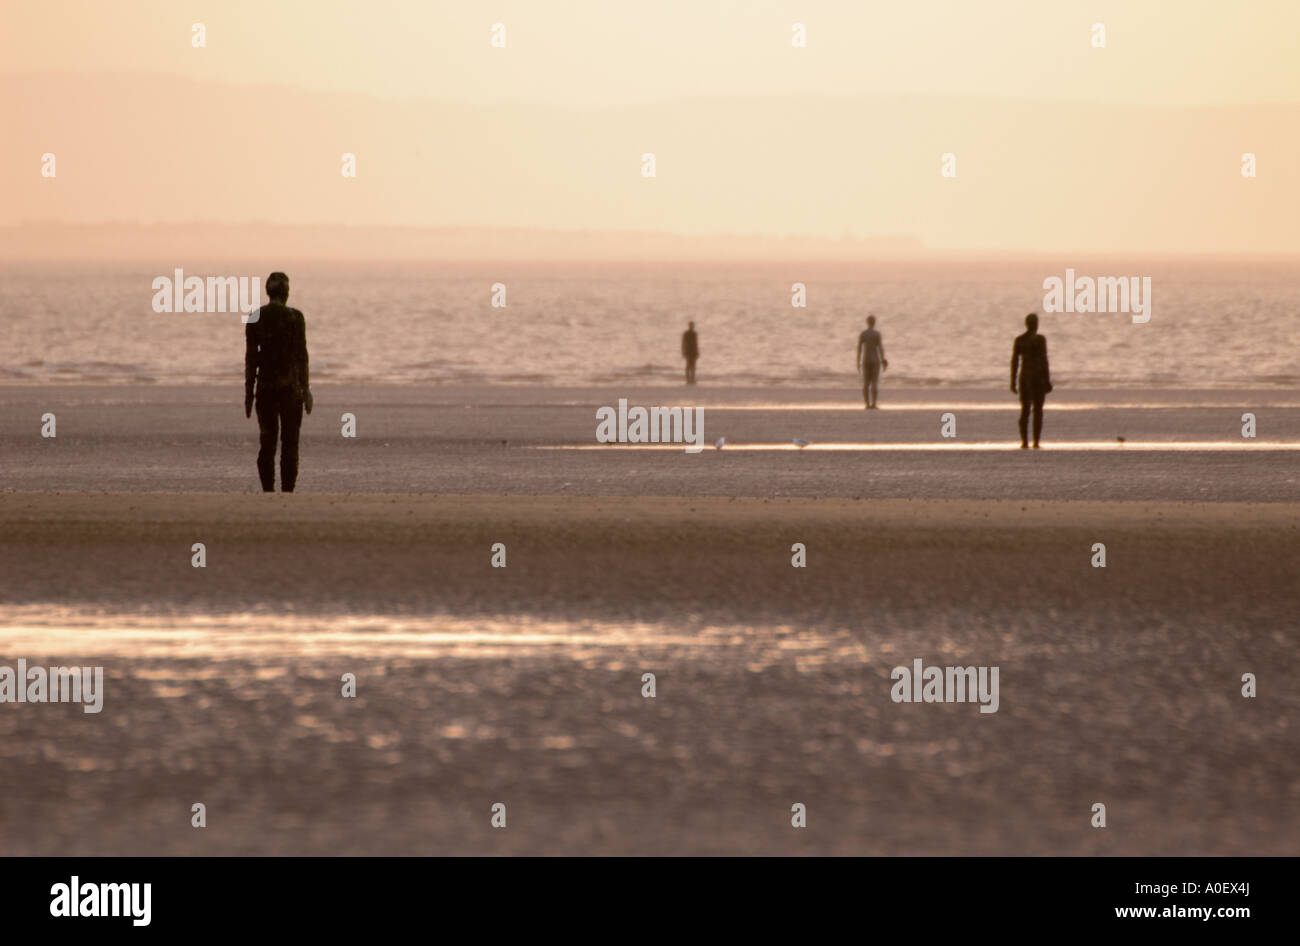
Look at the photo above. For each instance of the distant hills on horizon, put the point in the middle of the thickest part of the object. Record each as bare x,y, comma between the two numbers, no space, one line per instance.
47,240
436,178
216,241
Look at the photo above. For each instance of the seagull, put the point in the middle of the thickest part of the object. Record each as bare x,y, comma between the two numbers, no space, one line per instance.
721,442
800,443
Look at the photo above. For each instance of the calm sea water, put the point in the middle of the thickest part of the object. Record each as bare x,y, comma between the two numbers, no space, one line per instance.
1213,324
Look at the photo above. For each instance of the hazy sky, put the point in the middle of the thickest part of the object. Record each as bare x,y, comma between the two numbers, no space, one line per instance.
611,52
1059,145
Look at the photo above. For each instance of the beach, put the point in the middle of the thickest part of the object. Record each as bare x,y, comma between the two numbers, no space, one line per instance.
523,684
519,439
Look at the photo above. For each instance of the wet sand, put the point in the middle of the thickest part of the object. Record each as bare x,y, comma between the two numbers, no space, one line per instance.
514,440
523,684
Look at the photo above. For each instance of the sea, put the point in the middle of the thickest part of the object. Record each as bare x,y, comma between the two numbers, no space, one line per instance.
1214,323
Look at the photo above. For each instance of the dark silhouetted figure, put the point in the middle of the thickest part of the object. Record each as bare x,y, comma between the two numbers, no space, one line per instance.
275,364
690,351
1029,354
871,358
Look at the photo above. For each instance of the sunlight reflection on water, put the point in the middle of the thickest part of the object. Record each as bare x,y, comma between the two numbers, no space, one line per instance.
42,629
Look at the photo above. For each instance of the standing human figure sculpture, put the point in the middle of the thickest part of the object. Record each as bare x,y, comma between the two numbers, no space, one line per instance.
690,351
276,379
1034,383
870,361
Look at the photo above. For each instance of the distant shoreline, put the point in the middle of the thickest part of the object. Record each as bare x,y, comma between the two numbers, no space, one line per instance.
722,392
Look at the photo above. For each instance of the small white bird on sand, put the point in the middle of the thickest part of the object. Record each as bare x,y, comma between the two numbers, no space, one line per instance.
720,442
